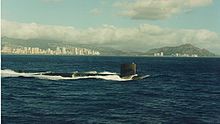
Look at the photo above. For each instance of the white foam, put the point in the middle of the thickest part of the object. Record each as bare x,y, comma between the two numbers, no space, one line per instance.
113,76
11,73
107,72
91,72
106,77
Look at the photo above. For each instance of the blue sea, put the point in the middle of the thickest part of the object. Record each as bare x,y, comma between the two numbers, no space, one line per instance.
177,91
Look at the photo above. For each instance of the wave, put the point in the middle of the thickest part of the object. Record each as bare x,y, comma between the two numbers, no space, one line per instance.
41,75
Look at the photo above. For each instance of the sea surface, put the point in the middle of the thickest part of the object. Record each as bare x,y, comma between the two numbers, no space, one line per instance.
177,91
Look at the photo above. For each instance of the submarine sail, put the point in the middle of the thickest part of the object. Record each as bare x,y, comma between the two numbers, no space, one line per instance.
128,70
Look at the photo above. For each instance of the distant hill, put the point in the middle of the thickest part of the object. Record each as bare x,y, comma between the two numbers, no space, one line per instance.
41,43
182,49
105,51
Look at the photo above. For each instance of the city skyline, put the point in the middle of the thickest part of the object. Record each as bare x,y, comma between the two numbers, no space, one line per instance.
48,51
128,25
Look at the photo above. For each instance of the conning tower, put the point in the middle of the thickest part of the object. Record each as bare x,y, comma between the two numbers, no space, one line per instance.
128,70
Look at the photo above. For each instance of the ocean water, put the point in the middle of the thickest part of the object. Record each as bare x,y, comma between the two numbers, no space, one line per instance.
177,90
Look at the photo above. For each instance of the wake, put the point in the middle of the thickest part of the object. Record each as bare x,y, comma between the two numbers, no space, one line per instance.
7,73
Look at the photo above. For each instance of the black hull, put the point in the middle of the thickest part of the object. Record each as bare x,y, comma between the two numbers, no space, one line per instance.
76,74
90,74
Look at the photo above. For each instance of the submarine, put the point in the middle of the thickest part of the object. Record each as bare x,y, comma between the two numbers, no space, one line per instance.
127,71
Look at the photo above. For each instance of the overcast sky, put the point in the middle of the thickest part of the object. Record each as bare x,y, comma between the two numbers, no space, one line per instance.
124,24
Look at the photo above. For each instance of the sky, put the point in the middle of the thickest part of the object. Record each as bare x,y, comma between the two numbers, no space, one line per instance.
137,25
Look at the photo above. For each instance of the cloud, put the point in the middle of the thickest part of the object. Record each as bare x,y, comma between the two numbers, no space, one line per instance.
140,38
95,12
157,9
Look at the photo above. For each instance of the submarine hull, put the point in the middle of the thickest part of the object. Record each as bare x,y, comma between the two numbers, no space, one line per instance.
59,74
128,71
133,77
76,74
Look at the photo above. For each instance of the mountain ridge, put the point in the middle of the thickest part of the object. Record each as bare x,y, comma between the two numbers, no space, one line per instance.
184,49
106,51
